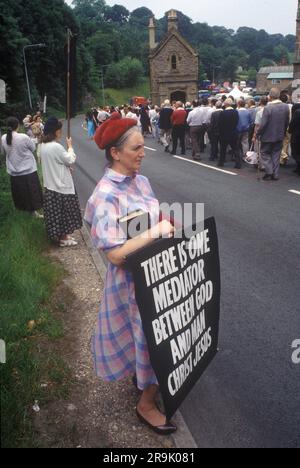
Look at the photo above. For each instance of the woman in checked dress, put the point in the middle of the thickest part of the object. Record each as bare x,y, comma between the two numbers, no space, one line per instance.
119,344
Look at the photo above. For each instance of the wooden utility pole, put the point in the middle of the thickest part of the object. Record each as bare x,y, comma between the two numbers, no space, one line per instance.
70,35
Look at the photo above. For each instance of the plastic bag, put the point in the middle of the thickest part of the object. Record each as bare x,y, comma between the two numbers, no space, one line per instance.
251,157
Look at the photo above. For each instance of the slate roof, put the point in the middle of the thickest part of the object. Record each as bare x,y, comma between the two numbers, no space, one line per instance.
281,76
276,69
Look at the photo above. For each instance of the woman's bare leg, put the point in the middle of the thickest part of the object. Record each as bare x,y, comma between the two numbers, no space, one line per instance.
148,409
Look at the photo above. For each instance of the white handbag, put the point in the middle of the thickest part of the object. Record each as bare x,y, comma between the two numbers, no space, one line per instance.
251,156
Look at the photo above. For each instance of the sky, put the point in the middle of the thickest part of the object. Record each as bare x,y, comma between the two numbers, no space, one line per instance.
275,16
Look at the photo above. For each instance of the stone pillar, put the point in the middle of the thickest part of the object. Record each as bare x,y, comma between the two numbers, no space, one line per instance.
172,20
152,43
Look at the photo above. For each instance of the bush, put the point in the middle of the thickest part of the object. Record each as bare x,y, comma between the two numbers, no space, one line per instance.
125,73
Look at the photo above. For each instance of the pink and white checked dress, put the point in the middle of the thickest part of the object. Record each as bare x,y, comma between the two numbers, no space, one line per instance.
119,345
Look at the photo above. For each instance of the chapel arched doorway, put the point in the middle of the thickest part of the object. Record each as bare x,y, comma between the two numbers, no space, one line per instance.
178,96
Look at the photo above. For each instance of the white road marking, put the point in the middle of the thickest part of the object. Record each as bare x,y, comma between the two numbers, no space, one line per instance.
206,165
151,149
295,191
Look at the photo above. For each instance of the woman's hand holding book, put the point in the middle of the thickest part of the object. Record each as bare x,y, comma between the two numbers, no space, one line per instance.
162,229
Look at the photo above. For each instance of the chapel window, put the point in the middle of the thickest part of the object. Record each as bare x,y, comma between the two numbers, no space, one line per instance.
174,62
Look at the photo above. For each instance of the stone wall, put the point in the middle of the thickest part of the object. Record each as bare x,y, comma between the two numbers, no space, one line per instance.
264,85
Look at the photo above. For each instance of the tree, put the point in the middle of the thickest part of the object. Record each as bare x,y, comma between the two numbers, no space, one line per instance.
246,39
289,42
125,73
141,16
100,47
266,63
252,73
281,54
31,23
185,26
117,14
229,67
90,14
222,37
210,59
203,34
11,44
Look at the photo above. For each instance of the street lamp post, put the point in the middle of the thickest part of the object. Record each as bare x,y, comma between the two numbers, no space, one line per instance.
25,66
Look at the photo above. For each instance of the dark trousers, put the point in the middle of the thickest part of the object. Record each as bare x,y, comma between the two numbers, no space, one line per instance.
178,133
270,156
195,135
232,142
215,145
251,133
203,130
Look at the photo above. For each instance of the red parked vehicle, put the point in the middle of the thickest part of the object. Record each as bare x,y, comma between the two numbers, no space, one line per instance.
139,101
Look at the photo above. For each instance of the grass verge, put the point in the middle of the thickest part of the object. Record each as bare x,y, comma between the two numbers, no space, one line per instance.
117,97
27,322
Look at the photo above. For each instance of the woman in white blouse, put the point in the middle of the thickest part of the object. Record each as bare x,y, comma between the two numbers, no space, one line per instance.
21,166
61,205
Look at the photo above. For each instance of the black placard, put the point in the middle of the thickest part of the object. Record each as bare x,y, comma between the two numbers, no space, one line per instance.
177,286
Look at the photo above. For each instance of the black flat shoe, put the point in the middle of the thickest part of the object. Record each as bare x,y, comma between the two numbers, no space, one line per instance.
267,177
166,429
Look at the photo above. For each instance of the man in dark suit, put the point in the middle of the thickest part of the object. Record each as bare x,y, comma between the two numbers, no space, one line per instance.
215,131
228,123
165,124
272,130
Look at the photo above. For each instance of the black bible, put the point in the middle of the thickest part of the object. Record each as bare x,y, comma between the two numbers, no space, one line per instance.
135,223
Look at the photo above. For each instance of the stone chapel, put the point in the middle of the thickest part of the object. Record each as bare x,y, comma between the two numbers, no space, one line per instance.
174,65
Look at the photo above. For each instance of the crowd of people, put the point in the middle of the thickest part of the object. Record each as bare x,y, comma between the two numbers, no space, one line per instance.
241,125
62,214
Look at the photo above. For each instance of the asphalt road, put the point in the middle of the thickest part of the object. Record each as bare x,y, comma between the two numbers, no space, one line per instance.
250,394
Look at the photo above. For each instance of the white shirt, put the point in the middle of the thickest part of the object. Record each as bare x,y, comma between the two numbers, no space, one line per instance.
259,115
130,115
199,116
153,115
195,117
206,113
102,116
56,162
20,159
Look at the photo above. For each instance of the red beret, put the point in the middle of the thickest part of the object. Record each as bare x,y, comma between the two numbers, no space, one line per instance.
112,129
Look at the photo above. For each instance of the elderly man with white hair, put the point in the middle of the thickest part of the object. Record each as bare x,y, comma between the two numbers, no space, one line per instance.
272,130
